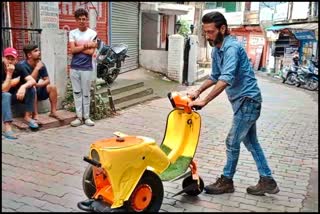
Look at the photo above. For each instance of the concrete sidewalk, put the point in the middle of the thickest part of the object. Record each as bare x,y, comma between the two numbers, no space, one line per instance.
42,171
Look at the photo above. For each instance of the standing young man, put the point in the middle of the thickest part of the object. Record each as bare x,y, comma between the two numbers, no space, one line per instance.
17,86
44,90
231,71
82,47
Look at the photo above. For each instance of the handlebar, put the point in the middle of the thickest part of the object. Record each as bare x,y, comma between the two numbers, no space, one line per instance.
179,101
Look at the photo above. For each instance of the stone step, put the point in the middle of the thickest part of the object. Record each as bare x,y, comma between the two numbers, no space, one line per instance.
136,101
120,87
132,94
46,122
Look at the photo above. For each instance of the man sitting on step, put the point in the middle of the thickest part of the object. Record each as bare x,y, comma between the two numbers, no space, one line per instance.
17,86
44,90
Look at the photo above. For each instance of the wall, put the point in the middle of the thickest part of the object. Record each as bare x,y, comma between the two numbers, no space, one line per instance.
19,19
55,58
154,60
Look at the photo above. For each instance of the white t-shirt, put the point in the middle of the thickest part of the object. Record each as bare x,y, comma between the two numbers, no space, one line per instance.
81,61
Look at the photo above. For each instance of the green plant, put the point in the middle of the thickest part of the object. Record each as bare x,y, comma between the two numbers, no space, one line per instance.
184,28
98,105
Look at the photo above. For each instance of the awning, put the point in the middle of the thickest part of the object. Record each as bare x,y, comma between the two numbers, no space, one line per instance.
165,8
304,26
305,31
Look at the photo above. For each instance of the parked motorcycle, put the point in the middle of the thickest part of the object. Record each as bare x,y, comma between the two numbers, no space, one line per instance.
308,76
289,74
109,60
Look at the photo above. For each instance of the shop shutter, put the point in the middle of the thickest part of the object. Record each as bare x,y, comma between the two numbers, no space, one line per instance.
124,23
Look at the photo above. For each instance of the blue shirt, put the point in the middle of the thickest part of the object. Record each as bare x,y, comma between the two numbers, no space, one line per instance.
230,64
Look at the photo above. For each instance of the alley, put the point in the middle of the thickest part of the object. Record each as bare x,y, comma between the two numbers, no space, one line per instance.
42,171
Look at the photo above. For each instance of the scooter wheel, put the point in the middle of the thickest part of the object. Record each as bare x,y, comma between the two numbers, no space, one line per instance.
147,195
88,184
189,181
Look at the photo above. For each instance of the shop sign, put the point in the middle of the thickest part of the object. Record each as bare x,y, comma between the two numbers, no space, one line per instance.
256,40
49,15
305,35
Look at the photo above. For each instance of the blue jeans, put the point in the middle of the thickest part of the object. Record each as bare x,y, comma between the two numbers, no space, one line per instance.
6,107
8,99
244,130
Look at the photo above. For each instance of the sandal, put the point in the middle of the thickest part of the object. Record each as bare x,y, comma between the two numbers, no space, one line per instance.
33,124
56,116
10,135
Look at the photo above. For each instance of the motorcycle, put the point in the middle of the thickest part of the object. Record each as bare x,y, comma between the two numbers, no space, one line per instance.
308,76
109,60
289,74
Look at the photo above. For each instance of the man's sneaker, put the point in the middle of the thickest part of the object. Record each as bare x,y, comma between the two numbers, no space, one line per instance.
89,122
265,185
222,185
76,122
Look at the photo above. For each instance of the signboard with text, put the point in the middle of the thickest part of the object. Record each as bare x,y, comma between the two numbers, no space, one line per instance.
49,15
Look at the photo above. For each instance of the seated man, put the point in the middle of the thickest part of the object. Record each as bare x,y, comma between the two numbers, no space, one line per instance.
35,67
17,85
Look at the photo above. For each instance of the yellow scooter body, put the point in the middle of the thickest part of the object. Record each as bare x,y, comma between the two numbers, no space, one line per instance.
180,141
125,162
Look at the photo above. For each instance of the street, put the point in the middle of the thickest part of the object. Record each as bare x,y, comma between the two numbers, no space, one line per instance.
42,171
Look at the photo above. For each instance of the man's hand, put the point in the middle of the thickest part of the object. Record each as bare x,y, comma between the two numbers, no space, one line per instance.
90,45
200,103
21,92
10,69
194,94
39,65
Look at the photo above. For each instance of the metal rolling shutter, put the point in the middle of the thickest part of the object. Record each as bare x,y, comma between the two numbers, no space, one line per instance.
125,29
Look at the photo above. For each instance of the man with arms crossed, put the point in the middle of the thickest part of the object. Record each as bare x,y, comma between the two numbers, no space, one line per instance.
82,47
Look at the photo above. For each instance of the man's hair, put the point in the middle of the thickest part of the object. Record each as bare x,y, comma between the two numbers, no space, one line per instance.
217,18
80,12
28,48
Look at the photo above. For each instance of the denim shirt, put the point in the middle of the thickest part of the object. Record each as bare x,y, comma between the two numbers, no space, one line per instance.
230,64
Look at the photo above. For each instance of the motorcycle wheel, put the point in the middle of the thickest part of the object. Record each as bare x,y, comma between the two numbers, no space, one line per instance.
189,181
312,84
291,79
88,184
112,75
147,195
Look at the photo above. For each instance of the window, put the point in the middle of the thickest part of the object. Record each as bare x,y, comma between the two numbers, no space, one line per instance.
229,6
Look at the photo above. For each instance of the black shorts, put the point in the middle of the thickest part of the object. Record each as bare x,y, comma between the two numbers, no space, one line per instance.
42,93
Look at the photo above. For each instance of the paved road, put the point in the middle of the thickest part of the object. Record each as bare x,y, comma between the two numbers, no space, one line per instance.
42,171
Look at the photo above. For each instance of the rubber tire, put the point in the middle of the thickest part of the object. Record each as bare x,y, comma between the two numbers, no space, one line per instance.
189,180
289,78
88,189
111,78
312,88
152,179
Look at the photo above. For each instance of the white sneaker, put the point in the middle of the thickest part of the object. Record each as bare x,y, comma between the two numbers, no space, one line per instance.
76,122
89,122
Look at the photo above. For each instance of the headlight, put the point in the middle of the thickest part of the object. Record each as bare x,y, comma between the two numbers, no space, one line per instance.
101,57
95,155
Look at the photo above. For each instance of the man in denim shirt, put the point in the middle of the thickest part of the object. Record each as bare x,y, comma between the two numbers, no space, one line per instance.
231,70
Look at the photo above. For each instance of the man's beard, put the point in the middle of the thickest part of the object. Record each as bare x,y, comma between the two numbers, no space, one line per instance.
218,40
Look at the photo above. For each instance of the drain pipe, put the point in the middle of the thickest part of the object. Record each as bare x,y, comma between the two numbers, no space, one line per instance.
9,23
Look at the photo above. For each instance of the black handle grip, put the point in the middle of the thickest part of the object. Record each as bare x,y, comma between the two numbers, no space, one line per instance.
91,161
